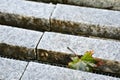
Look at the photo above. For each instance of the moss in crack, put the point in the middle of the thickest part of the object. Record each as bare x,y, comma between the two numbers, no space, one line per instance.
53,57
16,52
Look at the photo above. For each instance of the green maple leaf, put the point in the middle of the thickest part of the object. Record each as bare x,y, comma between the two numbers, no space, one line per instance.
72,64
88,57
85,63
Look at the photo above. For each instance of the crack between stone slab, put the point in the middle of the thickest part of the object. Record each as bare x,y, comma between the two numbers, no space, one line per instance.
37,45
24,71
51,16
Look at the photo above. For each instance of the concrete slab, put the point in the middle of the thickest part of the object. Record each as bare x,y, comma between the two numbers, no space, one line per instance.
36,71
18,43
26,14
11,69
86,21
52,43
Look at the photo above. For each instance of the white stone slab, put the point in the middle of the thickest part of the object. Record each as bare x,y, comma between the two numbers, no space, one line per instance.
36,71
56,42
26,14
86,21
11,69
17,42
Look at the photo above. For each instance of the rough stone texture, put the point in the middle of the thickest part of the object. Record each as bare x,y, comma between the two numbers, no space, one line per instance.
117,57
11,69
107,4
26,14
18,43
47,72
86,21
51,43
51,1
112,67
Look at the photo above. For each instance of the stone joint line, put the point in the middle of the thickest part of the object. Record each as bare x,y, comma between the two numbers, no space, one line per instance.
24,71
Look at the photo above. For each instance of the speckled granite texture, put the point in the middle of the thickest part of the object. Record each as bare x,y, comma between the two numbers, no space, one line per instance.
86,21
47,72
105,4
26,14
19,70
18,43
56,42
11,69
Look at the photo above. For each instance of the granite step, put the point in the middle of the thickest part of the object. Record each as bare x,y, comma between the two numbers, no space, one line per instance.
86,21
51,48
26,14
57,43
11,69
105,4
37,71
18,43
20,70
60,18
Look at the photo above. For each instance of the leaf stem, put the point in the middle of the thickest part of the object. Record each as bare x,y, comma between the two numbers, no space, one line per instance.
71,51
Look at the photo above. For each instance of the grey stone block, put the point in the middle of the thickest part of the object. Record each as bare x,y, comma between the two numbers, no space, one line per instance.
52,43
37,71
26,14
18,43
86,21
11,69
107,4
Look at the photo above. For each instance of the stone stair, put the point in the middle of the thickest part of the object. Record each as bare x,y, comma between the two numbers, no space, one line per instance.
21,70
39,34
60,18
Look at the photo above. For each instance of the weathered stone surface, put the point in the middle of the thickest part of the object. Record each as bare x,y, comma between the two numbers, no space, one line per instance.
11,69
117,57
25,14
50,1
18,43
51,43
107,4
86,21
37,71
112,67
